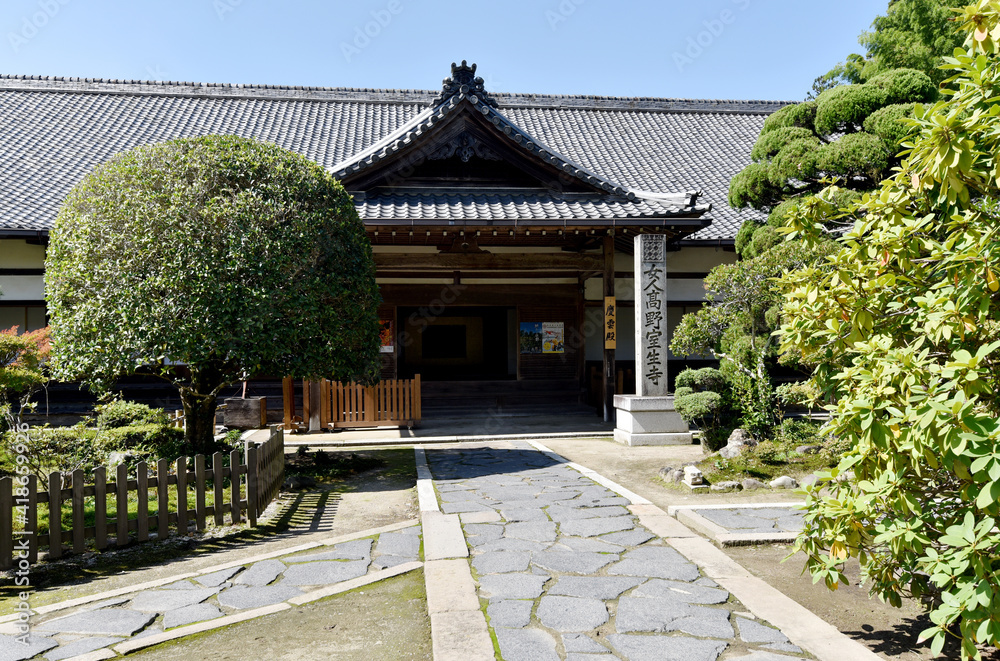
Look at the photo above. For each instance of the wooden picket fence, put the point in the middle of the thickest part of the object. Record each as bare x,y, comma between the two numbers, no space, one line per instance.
252,487
389,403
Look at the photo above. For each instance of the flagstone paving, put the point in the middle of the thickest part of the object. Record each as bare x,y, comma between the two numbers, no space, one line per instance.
210,596
566,572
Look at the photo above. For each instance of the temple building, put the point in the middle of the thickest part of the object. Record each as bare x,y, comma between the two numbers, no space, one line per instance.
502,224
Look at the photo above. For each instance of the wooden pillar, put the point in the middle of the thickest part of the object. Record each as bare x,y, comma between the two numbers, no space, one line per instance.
581,353
315,406
609,354
306,404
288,397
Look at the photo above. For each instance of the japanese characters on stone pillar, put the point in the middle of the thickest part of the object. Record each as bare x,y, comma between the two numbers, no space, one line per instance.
648,417
651,315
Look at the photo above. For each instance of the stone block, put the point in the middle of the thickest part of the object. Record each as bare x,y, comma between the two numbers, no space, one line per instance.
637,404
443,538
652,440
649,421
449,586
652,422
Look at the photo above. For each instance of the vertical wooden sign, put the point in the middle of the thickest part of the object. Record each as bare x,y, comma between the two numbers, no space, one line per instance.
610,323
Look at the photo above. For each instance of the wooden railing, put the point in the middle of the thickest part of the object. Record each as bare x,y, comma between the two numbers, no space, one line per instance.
252,487
389,403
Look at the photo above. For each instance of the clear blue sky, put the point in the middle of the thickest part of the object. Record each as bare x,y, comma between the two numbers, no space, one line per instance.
737,49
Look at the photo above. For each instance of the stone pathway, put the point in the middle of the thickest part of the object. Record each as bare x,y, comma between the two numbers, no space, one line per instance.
209,596
565,571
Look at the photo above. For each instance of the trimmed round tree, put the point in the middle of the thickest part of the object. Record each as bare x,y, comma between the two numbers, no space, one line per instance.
207,260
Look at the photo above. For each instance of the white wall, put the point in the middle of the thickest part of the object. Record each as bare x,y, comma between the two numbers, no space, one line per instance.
18,254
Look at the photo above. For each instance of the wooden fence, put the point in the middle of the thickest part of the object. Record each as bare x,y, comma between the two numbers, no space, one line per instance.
389,403
252,486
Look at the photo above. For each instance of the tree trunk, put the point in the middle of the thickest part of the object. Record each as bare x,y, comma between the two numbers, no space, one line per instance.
199,420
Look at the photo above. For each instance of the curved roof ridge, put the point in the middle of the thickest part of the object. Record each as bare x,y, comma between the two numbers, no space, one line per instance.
378,95
422,124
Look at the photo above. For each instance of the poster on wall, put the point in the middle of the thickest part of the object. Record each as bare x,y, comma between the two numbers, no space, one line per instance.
388,337
531,337
553,336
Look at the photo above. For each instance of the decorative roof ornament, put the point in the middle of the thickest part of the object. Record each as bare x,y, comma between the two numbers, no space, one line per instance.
463,80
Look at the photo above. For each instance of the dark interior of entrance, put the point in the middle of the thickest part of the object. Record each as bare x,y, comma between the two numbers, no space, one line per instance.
457,343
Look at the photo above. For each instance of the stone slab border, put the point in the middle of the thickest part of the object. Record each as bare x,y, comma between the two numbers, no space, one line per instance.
425,485
673,509
361,581
96,655
458,626
803,627
291,441
149,585
723,537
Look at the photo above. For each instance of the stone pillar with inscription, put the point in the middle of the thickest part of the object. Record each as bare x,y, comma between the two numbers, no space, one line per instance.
648,417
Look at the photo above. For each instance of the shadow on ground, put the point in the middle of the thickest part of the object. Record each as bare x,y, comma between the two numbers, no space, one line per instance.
901,639
468,463
298,514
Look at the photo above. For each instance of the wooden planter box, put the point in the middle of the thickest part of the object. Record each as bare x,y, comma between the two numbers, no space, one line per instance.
249,413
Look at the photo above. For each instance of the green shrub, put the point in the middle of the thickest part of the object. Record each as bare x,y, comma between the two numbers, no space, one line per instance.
779,213
698,406
744,235
51,449
799,432
795,160
707,378
147,442
771,453
855,155
701,397
122,413
845,108
764,239
887,124
753,188
683,391
802,394
802,115
771,143
905,86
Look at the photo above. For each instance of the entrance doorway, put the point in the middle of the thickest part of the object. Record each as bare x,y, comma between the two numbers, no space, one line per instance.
457,343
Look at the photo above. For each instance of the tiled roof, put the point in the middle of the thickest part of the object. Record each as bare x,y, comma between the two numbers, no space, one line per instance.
532,207
55,130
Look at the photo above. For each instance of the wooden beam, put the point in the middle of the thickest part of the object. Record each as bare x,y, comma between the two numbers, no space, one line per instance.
487,262
609,354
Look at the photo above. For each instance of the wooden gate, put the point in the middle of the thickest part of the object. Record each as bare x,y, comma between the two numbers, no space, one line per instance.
389,403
